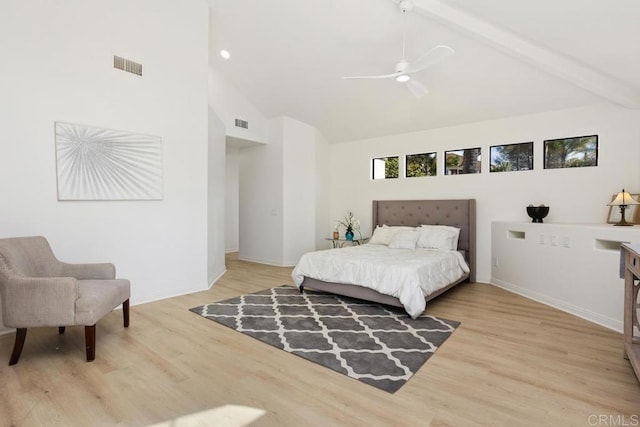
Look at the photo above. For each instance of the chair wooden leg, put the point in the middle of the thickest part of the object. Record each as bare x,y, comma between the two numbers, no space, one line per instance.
90,342
125,313
61,329
21,334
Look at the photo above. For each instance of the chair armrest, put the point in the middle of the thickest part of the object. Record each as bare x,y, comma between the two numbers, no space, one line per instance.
102,271
38,301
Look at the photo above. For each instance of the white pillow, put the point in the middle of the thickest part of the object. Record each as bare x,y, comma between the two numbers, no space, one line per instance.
405,239
383,235
439,237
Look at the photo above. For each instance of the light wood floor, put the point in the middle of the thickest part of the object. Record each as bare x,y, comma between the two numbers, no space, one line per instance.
511,362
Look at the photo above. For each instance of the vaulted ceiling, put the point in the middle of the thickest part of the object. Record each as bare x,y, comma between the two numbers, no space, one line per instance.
288,58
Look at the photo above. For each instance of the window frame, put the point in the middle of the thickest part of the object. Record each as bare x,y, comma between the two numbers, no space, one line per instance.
479,160
406,164
386,159
531,157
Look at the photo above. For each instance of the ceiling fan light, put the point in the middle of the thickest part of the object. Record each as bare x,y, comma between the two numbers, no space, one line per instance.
403,78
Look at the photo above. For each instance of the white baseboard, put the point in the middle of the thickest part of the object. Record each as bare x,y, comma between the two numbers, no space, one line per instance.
264,261
217,278
589,315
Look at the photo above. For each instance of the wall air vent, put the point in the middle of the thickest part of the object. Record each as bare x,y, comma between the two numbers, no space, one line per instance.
242,124
127,65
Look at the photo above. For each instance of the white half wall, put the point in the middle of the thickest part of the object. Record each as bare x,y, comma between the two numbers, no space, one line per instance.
573,267
574,195
58,65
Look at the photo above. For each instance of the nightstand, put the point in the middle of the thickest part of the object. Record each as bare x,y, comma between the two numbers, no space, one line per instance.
339,243
631,264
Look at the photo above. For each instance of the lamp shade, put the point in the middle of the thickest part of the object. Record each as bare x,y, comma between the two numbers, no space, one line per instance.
623,198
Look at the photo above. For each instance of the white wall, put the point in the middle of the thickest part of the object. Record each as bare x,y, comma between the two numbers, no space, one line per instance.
278,194
57,64
232,199
575,195
261,198
298,187
322,192
216,198
229,104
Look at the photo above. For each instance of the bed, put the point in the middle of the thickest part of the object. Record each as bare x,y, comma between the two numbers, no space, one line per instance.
410,213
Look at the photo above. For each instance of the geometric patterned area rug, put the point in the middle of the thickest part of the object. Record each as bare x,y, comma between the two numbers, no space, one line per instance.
376,344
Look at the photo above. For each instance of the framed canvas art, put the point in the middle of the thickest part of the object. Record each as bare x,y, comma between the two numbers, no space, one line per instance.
94,163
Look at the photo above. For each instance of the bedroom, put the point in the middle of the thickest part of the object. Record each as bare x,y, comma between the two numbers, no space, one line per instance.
175,246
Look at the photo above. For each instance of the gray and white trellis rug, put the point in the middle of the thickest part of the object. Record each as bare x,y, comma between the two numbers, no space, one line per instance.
378,345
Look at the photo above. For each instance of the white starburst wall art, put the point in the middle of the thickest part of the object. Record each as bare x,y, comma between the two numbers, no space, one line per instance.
103,164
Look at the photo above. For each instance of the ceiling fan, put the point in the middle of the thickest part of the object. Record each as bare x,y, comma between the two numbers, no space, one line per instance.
404,68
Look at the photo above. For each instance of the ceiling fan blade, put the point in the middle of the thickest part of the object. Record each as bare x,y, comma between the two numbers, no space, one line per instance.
383,76
430,58
416,88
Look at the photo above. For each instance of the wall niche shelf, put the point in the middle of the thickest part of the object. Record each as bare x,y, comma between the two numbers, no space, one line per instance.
608,245
515,234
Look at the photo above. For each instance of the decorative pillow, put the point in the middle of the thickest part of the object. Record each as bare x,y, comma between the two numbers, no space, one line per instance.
383,235
439,237
394,229
405,239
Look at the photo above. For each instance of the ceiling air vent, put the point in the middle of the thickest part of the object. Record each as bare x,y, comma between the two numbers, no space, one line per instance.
127,65
242,124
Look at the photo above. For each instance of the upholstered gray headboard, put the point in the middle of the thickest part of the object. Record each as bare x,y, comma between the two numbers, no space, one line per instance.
457,213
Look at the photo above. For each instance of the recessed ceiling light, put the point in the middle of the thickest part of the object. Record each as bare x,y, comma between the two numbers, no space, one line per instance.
225,54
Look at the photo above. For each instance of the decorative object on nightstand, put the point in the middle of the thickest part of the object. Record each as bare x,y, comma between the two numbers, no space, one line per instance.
623,200
536,213
350,223
349,233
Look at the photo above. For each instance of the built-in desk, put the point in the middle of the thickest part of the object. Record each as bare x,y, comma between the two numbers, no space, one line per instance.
631,255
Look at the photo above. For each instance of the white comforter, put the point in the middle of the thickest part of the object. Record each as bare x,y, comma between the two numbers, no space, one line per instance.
406,274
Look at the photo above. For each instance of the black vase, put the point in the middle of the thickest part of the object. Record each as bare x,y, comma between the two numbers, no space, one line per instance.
349,234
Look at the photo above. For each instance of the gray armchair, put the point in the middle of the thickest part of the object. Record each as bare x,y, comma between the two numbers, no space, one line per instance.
38,290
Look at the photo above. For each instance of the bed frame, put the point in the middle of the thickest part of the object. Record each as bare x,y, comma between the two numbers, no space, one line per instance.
413,213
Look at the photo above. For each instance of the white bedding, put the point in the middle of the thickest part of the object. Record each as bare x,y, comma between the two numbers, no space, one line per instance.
407,274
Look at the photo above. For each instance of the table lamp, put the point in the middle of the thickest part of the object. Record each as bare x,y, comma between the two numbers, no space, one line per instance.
623,199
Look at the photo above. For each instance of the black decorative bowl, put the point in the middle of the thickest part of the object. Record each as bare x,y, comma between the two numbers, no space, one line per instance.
536,213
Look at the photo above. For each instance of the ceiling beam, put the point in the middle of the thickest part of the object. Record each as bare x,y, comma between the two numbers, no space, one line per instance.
550,62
